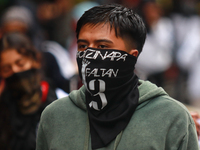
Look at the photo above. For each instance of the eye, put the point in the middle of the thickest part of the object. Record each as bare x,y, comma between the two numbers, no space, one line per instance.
82,47
102,46
21,62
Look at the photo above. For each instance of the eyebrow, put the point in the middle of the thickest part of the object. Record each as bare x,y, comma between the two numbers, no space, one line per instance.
96,41
80,40
103,40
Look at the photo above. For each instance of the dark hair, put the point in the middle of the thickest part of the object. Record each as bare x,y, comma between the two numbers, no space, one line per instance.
20,42
126,22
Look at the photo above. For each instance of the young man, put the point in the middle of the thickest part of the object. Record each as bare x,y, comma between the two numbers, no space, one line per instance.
114,109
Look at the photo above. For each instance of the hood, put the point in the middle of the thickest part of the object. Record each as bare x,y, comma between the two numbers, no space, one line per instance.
147,91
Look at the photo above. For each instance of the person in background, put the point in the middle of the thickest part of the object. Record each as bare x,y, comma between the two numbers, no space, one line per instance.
185,18
159,41
54,17
26,92
114,109
20,19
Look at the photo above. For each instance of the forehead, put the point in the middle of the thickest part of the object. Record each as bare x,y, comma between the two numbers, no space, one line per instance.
101,29
9,55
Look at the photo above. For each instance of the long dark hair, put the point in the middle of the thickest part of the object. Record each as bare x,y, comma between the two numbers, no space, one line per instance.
21,43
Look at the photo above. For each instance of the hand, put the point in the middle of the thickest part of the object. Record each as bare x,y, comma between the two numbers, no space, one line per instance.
196,119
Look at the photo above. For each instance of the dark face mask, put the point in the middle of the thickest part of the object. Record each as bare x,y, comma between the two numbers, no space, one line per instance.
25,82
111,95
103,71
24,88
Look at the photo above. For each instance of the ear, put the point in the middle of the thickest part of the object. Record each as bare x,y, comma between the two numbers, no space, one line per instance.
134,52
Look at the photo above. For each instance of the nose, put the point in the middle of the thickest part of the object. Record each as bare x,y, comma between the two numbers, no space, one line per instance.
91,45
15,69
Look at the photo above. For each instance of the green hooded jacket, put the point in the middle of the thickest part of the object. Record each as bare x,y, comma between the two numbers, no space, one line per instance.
159,123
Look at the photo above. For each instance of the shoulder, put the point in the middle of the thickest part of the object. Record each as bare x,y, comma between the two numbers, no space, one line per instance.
66,106
155,100
165,115
56,108
59,103
172,110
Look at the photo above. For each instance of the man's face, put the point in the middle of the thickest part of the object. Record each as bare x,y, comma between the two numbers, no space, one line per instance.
99,36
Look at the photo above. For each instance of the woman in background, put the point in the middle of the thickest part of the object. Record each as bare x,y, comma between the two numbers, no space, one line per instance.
25,94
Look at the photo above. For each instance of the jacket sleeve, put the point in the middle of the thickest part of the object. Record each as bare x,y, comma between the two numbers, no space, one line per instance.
41,143
190,140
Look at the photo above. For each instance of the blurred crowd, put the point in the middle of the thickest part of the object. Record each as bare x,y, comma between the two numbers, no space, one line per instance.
170,57
173,40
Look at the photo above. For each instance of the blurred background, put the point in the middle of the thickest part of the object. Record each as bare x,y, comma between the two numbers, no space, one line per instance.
171,54
170,57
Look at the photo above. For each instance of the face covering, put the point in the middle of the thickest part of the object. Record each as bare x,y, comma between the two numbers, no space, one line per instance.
111,91
25,90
